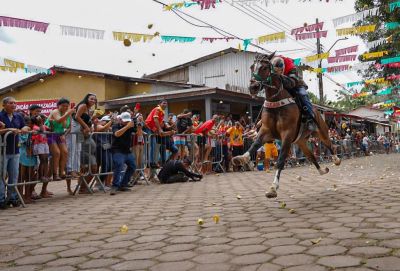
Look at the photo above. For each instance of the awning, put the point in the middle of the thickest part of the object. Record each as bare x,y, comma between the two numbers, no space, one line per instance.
185,94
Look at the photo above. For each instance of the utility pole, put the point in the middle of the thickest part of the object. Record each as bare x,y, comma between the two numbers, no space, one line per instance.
319,74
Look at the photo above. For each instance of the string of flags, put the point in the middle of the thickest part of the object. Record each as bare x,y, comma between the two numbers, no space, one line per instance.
355,30
374,54
14,66
355,17
204,4
22,23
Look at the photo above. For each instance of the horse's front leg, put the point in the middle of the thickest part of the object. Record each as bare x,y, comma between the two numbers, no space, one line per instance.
272,193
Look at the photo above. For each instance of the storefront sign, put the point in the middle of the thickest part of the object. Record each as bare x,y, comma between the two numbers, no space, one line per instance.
47,105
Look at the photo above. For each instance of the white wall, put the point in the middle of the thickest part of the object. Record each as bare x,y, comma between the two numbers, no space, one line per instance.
232,69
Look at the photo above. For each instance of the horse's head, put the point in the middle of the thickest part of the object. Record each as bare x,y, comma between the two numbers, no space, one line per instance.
261,71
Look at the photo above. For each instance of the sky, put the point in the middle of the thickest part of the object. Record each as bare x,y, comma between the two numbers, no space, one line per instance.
134,16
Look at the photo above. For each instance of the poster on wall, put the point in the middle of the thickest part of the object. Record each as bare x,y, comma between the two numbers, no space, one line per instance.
47,105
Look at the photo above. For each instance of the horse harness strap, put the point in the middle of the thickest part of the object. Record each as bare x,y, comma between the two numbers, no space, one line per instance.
279,103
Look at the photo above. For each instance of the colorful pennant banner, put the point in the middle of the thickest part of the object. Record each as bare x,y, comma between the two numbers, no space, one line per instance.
311,35
393,77
355,30
348,50
21,23
352,84
246,43
308,28
211,40
276,37
374,54
361,66
297,61
9,69
177,39
360,94
316,57
134,37
204,4
355,17
376,43
394,5
375,80
14,64
336,59
387,91
339,68
390,60
36,69
392,25
82,32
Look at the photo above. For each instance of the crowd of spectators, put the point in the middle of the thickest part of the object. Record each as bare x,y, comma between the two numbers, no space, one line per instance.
79,142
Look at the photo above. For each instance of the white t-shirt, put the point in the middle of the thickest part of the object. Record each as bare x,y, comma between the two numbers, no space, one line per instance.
365,140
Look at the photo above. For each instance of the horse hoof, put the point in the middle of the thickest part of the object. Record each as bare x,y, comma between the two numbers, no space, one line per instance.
271,193
237,161
337,162
323,172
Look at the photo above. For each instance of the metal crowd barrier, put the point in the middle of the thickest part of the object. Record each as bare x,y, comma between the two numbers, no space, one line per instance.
93,157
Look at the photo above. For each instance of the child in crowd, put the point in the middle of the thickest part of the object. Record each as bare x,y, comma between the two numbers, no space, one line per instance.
27,161
41,149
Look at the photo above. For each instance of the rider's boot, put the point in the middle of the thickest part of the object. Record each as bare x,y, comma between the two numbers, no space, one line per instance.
307,107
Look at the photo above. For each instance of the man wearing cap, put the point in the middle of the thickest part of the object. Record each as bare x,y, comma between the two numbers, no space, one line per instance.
122,155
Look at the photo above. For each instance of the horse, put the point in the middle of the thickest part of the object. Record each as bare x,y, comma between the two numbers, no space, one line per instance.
281,119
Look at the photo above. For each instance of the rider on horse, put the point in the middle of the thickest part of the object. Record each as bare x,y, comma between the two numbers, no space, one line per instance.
285,66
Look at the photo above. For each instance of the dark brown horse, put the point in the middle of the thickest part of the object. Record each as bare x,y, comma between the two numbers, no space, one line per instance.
281,119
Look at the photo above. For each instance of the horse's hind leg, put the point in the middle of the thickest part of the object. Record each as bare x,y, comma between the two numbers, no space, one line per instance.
323,135
310,156
272,193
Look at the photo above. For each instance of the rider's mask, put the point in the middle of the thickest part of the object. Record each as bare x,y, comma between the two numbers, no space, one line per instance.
279,65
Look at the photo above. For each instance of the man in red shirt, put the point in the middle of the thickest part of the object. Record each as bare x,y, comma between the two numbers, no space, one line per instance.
206,126
153,124
285,66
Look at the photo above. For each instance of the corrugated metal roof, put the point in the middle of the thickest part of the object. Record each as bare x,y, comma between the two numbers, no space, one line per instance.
196,61
61,69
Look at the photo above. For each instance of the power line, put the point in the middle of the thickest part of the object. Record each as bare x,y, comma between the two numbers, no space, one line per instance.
282,23
266,22
208,25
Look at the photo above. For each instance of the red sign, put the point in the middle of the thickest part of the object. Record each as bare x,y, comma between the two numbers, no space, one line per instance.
47,105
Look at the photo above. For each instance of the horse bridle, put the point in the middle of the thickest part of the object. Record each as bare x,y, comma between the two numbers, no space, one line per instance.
268,81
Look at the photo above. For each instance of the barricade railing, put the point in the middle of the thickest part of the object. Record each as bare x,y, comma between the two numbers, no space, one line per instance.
92,157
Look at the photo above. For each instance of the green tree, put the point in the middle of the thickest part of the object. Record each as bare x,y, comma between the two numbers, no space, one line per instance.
384,16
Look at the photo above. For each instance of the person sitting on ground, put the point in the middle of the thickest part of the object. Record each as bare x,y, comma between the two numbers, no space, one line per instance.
177,171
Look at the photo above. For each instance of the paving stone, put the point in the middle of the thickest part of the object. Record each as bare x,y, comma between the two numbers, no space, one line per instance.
77,252
269,267
213,267
178,247
395,243
327,250
141,255
133,265
213,248
286,250
369,251
99,263
37,259
339,261
48,250
294,259
176,256
176,266
384,263
250,249
311,267
67,261
252,259
212,258
59,268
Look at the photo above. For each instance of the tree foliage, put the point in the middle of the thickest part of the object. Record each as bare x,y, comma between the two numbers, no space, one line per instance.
384,16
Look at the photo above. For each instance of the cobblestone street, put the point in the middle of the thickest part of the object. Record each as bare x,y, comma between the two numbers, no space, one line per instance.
348,219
